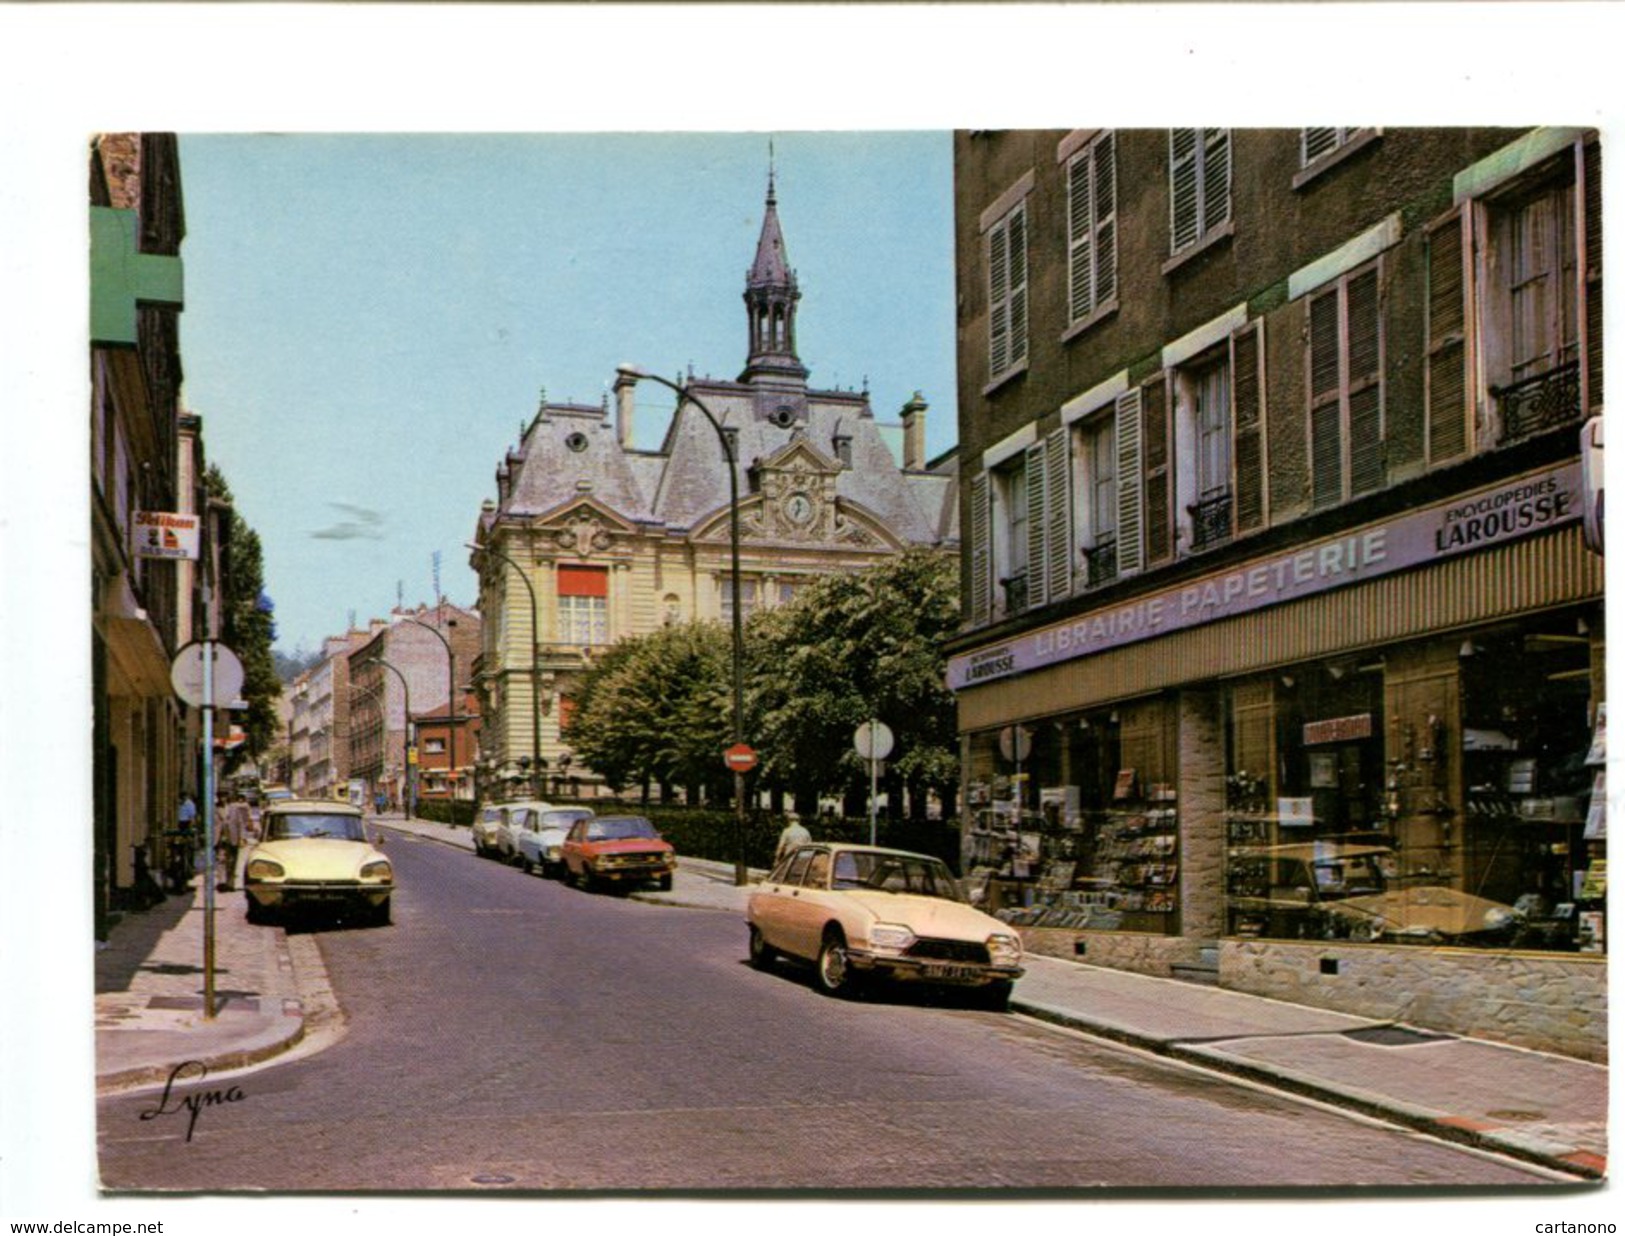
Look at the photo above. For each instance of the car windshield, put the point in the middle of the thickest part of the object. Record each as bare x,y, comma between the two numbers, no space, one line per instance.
563,819
284,825
895,873
621,829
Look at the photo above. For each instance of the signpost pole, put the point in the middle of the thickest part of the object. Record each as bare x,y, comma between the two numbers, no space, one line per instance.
208,830
874,778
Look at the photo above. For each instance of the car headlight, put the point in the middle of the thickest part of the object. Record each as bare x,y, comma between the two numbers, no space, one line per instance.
1004,950
1499,919
379,869
890,936
263,869
553,853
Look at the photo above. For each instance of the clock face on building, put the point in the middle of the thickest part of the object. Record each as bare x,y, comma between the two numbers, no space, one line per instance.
798,508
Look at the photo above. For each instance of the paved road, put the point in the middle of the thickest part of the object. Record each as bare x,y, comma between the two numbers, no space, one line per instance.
510,1033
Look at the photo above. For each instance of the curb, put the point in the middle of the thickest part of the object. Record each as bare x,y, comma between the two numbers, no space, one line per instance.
1553,1155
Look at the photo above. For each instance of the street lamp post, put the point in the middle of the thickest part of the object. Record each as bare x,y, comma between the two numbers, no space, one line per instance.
451,711
535,670
406,755
728,451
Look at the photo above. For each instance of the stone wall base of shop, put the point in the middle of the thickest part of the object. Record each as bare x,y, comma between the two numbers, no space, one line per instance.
1119,950
1548,1002
1544,1001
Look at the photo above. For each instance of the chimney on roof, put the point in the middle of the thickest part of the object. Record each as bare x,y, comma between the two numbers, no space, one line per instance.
914,433
625,386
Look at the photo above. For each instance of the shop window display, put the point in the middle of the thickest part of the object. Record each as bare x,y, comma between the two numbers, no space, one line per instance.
1075,822
1445,794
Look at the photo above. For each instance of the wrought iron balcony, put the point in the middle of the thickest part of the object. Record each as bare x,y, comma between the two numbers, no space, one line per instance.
1102,562
1015,593
1546,401
1210,519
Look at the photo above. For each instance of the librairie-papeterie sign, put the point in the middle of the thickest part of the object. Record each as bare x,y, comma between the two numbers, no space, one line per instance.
1531,504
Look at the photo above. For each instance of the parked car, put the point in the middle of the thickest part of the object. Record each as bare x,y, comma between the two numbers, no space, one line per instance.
316,855
515,817
616,849
862,912
538,836
485,828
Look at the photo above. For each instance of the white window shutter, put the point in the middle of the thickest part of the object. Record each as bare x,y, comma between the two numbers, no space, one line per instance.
998,299
981,550
1018,286
1105,164
1037,527
1215,178
1183,153
1058,513
1081,235
1130,505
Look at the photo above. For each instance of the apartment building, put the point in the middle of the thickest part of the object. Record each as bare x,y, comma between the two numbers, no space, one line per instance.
1282,665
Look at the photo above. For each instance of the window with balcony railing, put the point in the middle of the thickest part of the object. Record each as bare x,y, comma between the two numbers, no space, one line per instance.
1211,520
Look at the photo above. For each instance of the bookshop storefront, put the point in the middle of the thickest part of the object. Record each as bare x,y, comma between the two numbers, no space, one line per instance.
1356,774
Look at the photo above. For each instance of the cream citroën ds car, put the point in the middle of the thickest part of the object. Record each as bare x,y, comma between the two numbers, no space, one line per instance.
858,911
316,855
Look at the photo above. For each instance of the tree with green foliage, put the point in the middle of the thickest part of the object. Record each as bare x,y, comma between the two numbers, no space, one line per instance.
657,709
852,647
247,625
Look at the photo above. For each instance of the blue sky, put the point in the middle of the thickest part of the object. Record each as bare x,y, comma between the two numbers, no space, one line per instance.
370,318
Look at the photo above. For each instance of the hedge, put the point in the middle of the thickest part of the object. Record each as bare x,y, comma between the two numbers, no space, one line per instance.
459,811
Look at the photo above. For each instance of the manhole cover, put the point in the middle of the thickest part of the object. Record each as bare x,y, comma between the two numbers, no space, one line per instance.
491,1178
1515,1115
1395,1036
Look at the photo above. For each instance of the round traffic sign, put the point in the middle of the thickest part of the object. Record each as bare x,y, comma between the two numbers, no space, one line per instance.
186,674
873,740
739,757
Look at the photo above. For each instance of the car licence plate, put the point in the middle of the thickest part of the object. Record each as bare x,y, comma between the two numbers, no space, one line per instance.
952,972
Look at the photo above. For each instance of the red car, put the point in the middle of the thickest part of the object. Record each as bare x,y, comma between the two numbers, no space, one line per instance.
615,849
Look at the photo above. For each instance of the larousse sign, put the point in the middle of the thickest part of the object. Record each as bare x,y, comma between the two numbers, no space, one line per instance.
1532,504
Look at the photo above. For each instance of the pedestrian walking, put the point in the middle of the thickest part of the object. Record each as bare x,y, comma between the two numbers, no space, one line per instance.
794,834
233,830
378,801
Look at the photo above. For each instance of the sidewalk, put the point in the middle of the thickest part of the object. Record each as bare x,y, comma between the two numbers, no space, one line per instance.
1546,1109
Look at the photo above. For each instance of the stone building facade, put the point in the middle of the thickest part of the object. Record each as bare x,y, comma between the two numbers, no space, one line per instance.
591,539
1284,646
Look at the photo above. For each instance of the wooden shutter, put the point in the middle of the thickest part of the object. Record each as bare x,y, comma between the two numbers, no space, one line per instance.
1215,178
1105,177
1057,565
1130,507
1366,454
1080,227
1317,142
1158,480
998,298
1446,339
1018,286
1037,527
1183,153
1325,413
981,550
1591,285
1247,404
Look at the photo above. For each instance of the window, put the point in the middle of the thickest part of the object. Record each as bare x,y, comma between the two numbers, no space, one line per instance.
1346,389
434,746
583,604
1091,190
749,597
1010,496
1218,465
1198,183
1007,294
1097,459
1532,339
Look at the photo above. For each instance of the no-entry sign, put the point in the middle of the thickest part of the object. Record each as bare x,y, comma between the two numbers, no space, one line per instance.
740,757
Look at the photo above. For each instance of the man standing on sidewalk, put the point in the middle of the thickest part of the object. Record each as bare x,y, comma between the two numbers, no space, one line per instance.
795,834
233,829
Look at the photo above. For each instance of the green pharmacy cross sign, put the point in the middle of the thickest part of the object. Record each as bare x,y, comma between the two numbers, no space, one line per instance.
121,276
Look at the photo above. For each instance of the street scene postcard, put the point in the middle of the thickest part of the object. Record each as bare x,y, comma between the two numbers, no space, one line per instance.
1042,663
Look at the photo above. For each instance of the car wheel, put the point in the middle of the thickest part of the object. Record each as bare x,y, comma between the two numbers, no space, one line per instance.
761,952
664,883
257,913
995,997
834,971
585,880
380,914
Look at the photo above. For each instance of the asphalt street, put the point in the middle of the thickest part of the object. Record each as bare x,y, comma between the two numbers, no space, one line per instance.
510,1033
